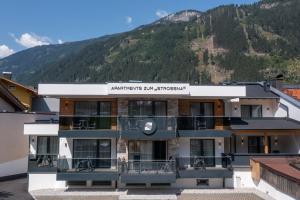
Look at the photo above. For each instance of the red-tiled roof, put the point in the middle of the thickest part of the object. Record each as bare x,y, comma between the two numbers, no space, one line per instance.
293,92
281,166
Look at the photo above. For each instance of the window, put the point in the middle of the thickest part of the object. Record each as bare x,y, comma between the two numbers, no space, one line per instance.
102,108
137,152
102,111
99,151
202,109
11,87
101,183
256,144
76,183
251,111
86,108
147,108
203,115
202,152
202,182
47,145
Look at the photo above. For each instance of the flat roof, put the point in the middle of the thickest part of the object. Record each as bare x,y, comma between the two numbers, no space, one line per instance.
258,91
265,123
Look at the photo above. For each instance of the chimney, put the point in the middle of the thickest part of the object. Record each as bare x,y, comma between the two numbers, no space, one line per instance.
267,86
7,75
277,82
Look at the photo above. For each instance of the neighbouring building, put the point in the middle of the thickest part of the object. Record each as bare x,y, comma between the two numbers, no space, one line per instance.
15,110
22,93
292,90
173,135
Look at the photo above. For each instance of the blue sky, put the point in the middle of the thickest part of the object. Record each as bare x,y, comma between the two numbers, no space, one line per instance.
30,23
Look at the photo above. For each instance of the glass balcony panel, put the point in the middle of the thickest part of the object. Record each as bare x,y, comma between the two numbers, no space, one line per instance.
139,123
81,122
42,162
147,167
76,165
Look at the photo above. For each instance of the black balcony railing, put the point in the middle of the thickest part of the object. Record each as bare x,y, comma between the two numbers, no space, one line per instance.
147,167
81,122
42,163
144,123
77,165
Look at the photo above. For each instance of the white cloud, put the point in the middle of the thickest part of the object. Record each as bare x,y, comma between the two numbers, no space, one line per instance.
31,40
161,13
5,51
129,20
59,41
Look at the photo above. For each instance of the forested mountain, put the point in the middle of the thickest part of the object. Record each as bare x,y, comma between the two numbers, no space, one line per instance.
228,43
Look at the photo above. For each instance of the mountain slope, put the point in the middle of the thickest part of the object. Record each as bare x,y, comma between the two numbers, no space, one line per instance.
245,43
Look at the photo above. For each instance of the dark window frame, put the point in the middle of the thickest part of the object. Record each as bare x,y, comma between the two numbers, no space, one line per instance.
48,144
98,107
201,149
203,102
97,151
251,110
258,138
152,105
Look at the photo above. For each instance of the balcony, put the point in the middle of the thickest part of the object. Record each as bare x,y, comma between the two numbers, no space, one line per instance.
82,169
88,126
203,126
42,163
145,127
147,171
204,167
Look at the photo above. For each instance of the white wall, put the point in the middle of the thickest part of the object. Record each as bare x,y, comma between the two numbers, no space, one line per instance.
242,178
13,143
265,187
269,107
41,181
13,167
41,129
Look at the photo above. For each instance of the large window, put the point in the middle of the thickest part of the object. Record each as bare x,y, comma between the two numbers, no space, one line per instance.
203,115
92,115
147,108
256,144
251,111
47,145
139,150
93,108
98,152
202,151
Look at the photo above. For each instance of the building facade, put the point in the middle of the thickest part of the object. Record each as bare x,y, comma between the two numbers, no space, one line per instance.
173,135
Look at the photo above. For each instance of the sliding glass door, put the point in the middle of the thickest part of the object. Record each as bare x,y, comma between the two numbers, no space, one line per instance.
202,151
139,110
47,145
92,153
93,114
203,115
